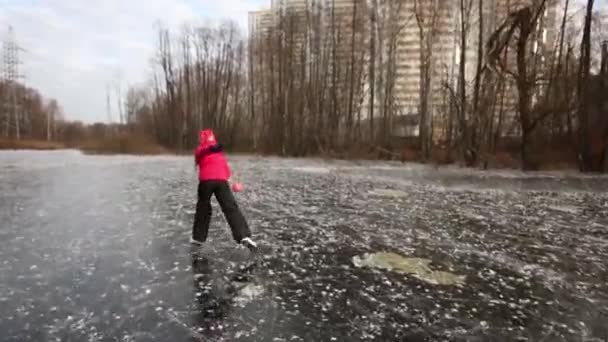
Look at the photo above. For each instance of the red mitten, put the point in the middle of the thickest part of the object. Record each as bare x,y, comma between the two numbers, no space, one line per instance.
237,187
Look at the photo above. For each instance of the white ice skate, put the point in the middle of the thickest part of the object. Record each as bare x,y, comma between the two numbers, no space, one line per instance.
247,242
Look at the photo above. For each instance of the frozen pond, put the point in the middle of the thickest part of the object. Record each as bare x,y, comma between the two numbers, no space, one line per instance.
96,249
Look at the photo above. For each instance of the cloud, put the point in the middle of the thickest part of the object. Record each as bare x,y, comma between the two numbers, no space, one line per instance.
74,48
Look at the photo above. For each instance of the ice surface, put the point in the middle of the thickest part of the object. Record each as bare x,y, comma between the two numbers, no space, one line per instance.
96,248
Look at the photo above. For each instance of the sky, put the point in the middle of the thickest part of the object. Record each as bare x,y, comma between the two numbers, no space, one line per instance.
75,48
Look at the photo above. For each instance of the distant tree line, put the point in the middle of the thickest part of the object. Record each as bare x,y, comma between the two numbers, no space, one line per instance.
323,81
25,113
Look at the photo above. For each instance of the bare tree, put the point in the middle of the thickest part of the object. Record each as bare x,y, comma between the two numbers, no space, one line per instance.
524,21
52,111
393,26
373,29
352,71
427,14
585,157
466,135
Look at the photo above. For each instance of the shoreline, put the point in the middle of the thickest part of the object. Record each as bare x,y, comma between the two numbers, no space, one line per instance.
29,144
37,146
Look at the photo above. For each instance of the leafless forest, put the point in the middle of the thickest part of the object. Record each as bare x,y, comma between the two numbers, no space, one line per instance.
325,82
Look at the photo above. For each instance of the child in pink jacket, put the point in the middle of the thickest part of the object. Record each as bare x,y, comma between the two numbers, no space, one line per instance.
213,174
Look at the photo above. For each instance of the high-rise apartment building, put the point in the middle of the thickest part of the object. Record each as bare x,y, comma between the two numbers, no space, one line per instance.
425,36
260,23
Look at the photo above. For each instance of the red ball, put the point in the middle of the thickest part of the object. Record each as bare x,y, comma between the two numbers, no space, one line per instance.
237,187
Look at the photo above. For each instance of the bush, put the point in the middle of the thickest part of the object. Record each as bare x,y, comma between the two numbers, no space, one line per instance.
28,144
123,144
409,154
501,160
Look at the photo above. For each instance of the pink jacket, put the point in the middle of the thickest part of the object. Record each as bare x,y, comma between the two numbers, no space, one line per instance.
209,156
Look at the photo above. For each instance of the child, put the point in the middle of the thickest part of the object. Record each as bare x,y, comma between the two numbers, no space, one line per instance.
214,174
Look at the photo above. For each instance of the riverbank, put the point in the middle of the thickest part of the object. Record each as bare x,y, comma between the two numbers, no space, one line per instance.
123,144
29,144
129,145
133,144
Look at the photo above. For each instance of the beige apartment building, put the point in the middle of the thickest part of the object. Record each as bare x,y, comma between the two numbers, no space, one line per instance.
307,20
260,23
426,36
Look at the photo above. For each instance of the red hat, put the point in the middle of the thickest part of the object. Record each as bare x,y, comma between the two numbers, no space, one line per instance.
206,137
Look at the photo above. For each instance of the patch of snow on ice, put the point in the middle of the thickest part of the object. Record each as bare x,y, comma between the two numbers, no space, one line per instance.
249,292
565,209
417,267
388,193
313,169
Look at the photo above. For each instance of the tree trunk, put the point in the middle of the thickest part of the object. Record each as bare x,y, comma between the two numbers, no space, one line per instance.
351,91
462,91
252,89
427,31
526,158
476,114
586,163
523,87
372,68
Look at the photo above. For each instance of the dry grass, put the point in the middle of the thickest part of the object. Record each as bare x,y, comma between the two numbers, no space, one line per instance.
409,154
501,160
123,144
558,158
29,144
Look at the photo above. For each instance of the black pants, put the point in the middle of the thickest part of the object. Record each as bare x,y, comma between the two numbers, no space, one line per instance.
202,218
